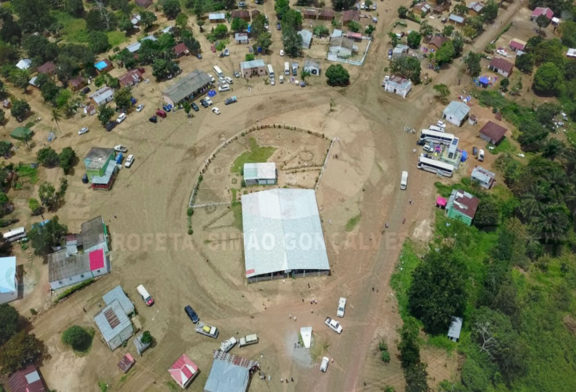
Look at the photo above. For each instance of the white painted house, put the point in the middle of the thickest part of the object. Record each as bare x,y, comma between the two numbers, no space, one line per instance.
397,85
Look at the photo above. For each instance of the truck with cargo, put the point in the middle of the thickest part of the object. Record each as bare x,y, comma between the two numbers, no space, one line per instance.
207,330
248,340
227,345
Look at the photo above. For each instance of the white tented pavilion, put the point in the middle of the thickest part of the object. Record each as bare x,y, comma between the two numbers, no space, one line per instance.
283,235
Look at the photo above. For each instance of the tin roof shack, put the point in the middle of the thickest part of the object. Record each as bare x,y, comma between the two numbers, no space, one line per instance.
456,113
114,325
306,36
24,64
475,7
483,177
349,16
312,67
455,329
48,68
94,235
183,371
492,133
260,173
253,68
28,379
102,96
241,14
189,86
456,19
217,17
437,41
341,47
400,50
67,270
230,373
241,38
501,66
421,9
309,14
117,294
326,14
397,85
180,50
8,281
462,206
517,45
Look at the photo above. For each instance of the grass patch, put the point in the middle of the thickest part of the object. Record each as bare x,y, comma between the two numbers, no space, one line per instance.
402,278
504,146
237,211
73,289
256,154
27,172
443,190
116,37
172,386
74,29
317,350
442,342
352,222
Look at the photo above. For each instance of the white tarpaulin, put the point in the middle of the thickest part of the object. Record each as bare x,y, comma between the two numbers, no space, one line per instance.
306,333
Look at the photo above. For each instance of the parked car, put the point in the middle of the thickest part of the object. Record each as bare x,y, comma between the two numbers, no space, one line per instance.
139,108
204,103
281,52
224,87
153,119
129,160
227,345
207,330
120,148
199,56
333,325
110,125
194,107
324,364
215,110
237,74
191,313
229,80
208,100
341,307
225,53
161,113
121,118
248,340
142,291
278,26
390,54
230,100
211,78
167,108
82,131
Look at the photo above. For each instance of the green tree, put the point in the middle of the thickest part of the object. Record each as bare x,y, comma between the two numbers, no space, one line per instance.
445,54
321,31
258,25
74,8
416,378
98,42
414,39
10,322
264,41
292,19
568,33
221,31
77,338
443,92
426,29
402,12
47,157
20,350
548,79
460,9
45,238
490,11
292,42
369,30
337,75
147,19
438,290
281,7
354,26
549,51
238,25
171,8
546,112
49,91
181,21
162,69
5,148
105,113
341,5
472,61
488,214
542,21
35,206
20,109
448,30
190,42
67,159
6,205
47,195
408,346
553,148
34,15
123,97
147,337
525,63
408,67
249,57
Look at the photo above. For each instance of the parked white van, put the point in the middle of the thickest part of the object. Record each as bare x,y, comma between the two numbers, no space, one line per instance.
286,68
145,295
481,155
324,364
404,180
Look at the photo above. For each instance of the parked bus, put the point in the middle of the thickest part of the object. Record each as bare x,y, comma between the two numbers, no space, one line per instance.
270,71
286,68
218,71
16,234
428,135
434,166
404,180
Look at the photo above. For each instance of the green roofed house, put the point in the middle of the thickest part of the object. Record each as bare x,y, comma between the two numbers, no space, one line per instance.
22,133
462,206
101,167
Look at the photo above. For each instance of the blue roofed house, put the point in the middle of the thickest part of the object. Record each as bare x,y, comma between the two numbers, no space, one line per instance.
8,281
114,325
456,19
306,36
117,294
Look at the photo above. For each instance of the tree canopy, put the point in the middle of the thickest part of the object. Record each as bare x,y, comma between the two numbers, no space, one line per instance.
337,75
47,236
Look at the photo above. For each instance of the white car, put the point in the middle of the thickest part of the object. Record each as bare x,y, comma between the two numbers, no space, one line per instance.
281,52
229,80
129,160
139,108
208,101
341,307
215,110
333,325
224,87
120,148
211,78
83,131
324,364
121,118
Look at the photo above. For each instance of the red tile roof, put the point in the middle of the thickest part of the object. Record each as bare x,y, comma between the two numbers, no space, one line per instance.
547,12
180,49
242,14
501,64
96,259
493,131
183,370
350,15
437,41
47,68
465,203
326,13
130,78
26,380
517,44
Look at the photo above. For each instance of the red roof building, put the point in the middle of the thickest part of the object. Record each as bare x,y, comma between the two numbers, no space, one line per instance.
349,16
437,41
354,36
547,12
326,14
309,14
130,78
96,259
183,371
26,380
517,45
47,68
241,14
501,66
492,132
126,363
77,83
181,49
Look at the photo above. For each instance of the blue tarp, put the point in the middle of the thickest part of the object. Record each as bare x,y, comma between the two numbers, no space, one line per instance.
484,80
212,93
119,158
464,156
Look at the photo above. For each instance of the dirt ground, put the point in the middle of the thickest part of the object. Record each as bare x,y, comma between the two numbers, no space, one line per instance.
146,214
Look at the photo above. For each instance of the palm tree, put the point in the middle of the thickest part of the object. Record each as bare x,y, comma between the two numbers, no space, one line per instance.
56,116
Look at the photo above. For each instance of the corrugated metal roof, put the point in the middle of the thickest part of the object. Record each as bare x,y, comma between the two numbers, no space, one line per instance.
111,321
282,232
260,171
229,373
7,274
117,294
457,109
455,328
187,85
63,266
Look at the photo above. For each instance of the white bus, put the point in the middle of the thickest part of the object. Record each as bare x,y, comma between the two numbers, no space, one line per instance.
15,234
270,70
436,137
286,68
218,71
434,166
404,180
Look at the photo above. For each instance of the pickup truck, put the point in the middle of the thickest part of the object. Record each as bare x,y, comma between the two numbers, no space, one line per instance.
333,325
227,345
141,289
207,330
248,340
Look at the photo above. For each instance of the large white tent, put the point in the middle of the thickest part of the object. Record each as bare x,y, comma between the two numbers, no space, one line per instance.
283,234
8,287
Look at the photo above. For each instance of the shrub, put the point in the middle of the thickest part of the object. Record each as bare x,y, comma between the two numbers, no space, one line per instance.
78,338
147,338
